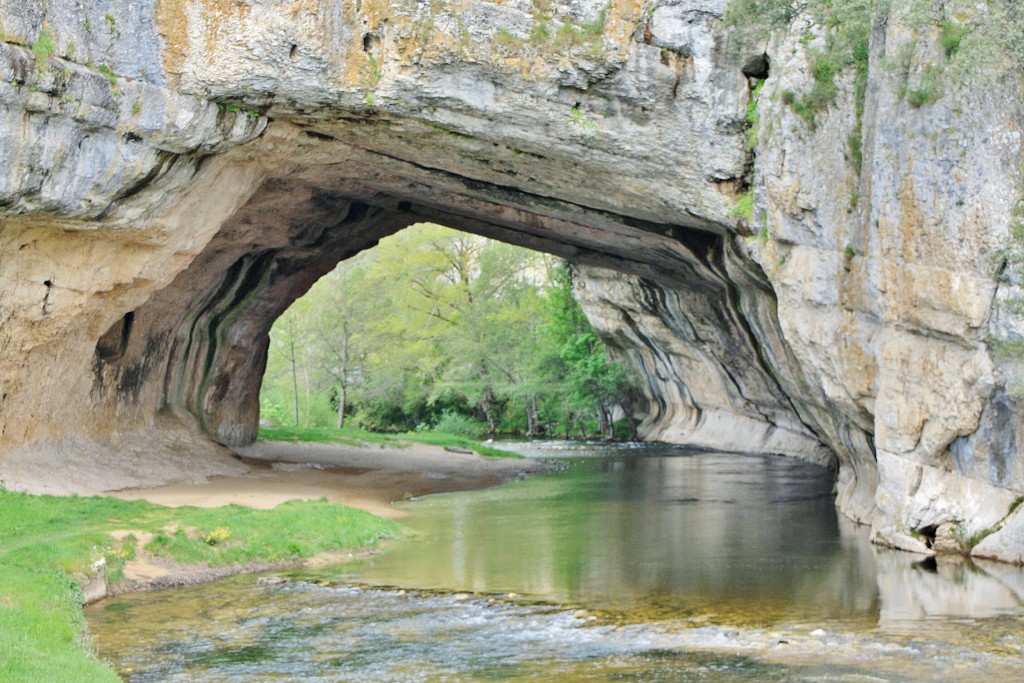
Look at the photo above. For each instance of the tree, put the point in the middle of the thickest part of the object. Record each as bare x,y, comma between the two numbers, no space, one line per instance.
344,336
434,322
592,382
289,341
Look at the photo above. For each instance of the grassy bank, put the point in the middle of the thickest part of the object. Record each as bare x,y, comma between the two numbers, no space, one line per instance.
361,437
49,544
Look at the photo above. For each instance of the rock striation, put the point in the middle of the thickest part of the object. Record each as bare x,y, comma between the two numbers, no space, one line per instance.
831,279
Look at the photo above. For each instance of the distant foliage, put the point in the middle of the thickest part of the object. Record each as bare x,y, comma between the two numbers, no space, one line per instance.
441,330
761,18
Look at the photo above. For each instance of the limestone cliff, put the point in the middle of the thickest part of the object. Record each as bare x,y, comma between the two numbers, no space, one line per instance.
829,277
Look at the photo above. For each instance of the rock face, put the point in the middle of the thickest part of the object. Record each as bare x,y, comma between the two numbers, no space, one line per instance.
176,173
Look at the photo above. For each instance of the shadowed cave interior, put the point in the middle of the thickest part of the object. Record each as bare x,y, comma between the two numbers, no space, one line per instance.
197,349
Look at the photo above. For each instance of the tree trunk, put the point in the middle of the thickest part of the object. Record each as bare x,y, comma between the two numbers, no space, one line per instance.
532,418
604,420
295,379
487,406
305,376
341,406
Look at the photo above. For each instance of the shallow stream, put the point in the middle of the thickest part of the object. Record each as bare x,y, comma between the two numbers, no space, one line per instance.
644,563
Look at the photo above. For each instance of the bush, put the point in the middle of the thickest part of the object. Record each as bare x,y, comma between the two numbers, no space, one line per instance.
451,422
951,35
930,90
385,414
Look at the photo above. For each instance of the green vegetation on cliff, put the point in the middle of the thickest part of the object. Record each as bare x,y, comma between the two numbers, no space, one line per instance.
49,544
836,39
436,330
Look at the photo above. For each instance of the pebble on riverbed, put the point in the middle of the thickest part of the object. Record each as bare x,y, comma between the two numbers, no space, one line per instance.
271,580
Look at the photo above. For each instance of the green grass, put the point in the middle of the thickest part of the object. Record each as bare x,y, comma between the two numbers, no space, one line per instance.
1015,504
564,36
967,542
361,437
44,46
744,206
753,118
855,141
108,74
846,30
47,543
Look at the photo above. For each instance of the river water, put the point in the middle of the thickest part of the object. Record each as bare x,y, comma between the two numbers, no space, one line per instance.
644,563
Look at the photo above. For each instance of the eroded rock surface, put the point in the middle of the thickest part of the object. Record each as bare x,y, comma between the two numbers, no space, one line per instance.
176,173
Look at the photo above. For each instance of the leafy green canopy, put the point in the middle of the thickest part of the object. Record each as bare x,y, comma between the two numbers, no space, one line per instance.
436,329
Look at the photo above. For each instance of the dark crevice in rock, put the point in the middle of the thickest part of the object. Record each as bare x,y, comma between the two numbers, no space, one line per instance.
316,135
114,341
47,303
927,534
757,66
166,162
133,377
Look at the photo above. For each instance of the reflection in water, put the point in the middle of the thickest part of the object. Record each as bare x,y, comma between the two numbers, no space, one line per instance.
677,553
915,590
744,539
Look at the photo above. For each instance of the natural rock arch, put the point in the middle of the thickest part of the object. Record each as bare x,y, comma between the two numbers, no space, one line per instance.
197,347
158,213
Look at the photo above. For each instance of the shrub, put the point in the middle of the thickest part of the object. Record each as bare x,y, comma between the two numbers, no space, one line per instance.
452,422
217,536
950,36
930,90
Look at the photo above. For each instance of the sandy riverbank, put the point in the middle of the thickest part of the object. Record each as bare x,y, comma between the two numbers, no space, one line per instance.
369,478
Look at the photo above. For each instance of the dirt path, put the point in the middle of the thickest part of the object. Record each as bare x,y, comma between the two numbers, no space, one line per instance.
369,478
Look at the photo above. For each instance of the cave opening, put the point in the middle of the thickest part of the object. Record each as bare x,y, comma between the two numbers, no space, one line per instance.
673,303
439,330
208,331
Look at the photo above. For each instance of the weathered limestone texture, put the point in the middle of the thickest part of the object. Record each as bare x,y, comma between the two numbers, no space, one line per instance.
176,173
